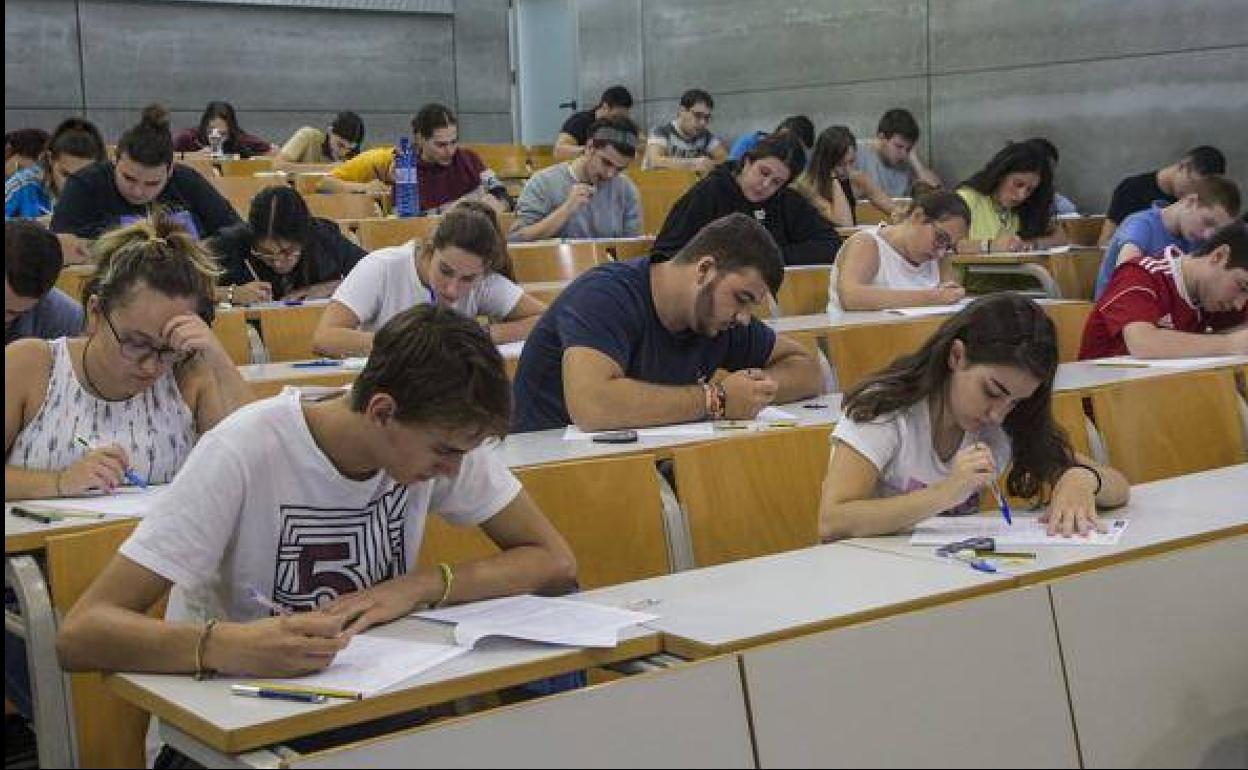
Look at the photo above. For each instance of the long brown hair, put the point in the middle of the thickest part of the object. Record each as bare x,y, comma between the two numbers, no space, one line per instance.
1004,329
474,227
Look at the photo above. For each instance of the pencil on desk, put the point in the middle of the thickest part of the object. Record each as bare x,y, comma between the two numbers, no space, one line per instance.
1122,364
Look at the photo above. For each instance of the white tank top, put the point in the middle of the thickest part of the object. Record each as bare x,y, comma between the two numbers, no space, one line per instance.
155,427
894,272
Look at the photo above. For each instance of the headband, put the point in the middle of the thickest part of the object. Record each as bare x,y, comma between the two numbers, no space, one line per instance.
615,136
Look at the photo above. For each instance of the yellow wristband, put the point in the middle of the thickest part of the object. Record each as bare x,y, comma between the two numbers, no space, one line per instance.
448,577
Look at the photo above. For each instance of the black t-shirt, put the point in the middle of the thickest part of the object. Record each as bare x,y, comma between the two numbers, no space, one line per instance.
805,237
1135,193
611,309
91,205
327,256
578,125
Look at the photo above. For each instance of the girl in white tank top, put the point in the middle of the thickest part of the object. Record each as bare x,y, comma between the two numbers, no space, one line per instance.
909,259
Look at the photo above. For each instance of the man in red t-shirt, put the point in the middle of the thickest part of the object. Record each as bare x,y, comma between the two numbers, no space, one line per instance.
1165,306
447,172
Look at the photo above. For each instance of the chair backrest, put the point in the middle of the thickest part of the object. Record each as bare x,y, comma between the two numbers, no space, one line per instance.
203,165
541,156
343,206
245,166
239,190
859,350
552,261
378,233
110,732
659,190
509,161
1069,318
805,290
1161,427
607,509
230,326
753,495
1069,414
287,332
1083,231
72,278
619,249
865,213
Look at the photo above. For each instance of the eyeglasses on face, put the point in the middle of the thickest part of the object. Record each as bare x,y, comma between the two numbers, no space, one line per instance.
140,352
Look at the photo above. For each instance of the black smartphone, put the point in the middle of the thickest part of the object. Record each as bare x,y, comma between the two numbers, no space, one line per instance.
616,437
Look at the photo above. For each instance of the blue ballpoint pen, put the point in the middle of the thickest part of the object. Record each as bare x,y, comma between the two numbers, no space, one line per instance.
1002,502
129,473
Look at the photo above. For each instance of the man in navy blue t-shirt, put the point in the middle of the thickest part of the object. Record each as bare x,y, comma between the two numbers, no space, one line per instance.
637,343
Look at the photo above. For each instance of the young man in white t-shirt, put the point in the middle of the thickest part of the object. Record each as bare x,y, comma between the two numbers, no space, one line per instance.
319,508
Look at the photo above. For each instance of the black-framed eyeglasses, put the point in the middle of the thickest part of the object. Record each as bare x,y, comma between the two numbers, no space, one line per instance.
139,352
291,254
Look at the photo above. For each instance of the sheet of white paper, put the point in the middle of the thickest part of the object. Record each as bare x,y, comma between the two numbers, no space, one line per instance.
511,349
1068,215
940,530
370,664
539,619
321,392
774,414
914,312
574,433
1054,250
354,363
127,501
1204,362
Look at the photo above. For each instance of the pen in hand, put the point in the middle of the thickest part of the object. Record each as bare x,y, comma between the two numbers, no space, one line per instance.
1002,502
129,473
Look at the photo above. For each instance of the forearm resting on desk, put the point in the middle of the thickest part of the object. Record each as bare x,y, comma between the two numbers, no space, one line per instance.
25,484
620,402
1144,340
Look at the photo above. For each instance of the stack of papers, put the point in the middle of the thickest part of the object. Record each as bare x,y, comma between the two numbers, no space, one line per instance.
370,664
942,530
539,619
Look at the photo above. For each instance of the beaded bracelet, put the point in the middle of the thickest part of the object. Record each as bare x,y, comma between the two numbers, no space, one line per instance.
202,672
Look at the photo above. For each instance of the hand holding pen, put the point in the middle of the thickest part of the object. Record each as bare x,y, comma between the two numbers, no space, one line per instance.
101,469
972,469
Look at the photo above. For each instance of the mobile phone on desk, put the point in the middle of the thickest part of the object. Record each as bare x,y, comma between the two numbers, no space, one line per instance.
616,437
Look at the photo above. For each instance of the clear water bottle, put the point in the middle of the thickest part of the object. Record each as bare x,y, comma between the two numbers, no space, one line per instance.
216,142
406,184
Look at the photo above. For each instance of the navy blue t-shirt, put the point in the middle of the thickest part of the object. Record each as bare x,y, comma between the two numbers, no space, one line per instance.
611,310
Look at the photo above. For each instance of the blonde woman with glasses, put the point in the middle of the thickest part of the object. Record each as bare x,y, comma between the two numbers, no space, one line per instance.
127,401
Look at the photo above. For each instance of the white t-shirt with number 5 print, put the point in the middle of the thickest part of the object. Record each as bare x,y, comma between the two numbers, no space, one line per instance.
258,506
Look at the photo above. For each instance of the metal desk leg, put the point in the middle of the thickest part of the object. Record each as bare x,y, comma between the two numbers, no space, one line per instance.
48,684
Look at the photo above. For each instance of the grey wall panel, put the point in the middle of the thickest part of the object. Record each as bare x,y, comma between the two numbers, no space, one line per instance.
482,63
743,45
610,51
988,34
41,66
277,58
47,119
856,105
1109,118
485,127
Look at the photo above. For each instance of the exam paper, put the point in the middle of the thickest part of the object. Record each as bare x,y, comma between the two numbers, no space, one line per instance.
370,664
539,619
1203,362
127,501
574,433
925,310
941,530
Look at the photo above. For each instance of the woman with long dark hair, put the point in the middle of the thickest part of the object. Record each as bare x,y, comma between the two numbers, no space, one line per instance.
1011,200
833,182
220,118
757,185
927,434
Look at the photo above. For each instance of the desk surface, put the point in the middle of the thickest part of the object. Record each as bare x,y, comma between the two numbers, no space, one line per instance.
22,535
230,724
823,321
1164,516
1089,375
741,604
547,446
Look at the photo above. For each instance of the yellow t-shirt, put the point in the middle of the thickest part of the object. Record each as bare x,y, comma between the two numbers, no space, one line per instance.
988,220
367,166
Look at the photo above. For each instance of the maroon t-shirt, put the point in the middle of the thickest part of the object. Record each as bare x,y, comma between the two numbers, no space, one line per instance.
440,185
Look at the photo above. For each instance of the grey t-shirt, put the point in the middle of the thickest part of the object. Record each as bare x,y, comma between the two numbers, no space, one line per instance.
53,316
614,210
894,180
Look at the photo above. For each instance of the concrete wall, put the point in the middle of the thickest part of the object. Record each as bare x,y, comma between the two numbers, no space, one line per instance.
281,67
1119,87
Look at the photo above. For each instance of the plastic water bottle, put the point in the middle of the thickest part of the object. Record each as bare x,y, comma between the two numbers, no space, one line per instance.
406,184
216,142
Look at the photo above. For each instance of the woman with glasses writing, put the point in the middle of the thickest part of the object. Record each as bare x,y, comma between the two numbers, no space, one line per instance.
130,398
756,186
281,252
905,264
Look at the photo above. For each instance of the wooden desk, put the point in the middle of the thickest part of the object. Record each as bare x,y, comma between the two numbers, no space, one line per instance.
975,683
747,603
207,712
1068,275
286,328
